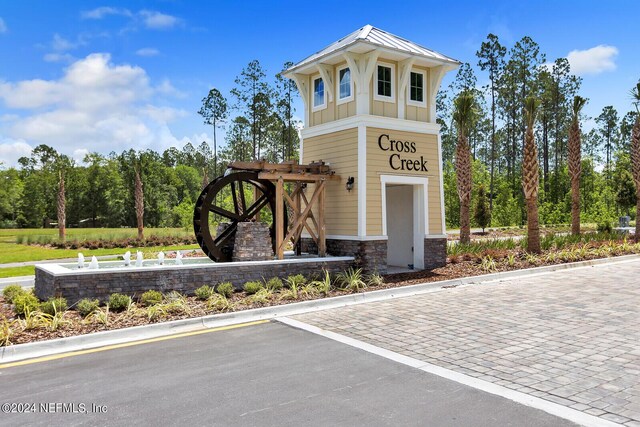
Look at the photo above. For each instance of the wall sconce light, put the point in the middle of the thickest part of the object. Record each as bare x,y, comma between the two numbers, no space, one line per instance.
350,182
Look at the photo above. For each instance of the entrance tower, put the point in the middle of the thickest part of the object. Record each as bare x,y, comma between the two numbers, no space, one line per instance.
370,112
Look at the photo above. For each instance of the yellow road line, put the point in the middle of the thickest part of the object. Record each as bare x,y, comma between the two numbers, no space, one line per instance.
127,344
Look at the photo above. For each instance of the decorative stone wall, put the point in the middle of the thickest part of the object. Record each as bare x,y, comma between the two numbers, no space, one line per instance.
186,279
370,255
435,253
252,242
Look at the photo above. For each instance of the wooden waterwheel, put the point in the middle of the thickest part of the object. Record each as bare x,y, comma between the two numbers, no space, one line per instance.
259,185
244,209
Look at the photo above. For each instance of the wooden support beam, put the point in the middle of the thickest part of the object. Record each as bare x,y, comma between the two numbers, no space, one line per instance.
292,177
256,195
300,220
322,243
280,219
298,206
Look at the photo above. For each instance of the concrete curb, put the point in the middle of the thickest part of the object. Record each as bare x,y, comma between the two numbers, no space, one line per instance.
24,281
100,339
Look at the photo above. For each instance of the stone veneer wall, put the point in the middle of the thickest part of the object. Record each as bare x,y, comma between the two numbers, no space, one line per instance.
184,279
252,242
370,255
435,253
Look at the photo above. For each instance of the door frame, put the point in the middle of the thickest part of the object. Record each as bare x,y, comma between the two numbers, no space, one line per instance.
420,211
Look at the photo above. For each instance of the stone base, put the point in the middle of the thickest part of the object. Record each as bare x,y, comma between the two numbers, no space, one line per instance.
252,242
370,255
435,253
56,280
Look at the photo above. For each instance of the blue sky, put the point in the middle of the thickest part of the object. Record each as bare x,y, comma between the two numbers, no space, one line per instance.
111,75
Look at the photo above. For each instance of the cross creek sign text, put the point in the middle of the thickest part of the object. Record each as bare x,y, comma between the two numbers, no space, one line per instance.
396,160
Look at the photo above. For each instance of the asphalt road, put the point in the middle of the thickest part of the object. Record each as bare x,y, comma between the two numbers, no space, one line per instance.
262,375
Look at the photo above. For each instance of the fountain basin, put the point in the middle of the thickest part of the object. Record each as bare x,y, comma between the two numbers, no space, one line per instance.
69,281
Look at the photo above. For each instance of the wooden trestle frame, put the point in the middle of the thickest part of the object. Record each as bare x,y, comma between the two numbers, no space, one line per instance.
317,173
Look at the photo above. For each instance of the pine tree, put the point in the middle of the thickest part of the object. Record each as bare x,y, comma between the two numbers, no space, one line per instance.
214,112
482,213
491,58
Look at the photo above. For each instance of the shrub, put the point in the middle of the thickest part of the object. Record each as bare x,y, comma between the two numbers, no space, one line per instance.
274,284
261,297
54,305
221,303
12,291
323,285
352,280
604,227
6,331
204,292
295,280
252,287
25,302
150,298
87,306
119,302
225,289
375,279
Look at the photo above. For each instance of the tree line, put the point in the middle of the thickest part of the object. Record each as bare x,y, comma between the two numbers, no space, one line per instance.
495,131
157,189
258,123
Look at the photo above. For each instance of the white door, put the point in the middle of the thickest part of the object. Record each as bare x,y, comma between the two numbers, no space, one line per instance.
400,228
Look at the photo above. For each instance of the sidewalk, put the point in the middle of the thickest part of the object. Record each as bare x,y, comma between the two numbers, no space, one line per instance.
570,337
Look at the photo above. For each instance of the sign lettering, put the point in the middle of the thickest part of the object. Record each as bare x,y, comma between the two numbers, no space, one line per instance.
397,161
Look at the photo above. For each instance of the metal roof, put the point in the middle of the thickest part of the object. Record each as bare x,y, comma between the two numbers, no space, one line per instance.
377,37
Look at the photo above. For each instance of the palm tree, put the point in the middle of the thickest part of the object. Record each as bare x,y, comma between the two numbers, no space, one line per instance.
464,116
61,209
635,154
574,163
139,203
530,179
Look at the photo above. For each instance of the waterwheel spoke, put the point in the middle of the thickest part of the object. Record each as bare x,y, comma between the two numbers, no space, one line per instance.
234,196
226,234
243,202
257,205
225,213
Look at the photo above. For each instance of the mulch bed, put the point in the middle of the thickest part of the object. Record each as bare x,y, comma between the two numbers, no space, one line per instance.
457,267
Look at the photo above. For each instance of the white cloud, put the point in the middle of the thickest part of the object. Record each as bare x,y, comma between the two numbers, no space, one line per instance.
163,114
58,57
593,61
96,105
61,44
12,149
148,51
101,12
158,21
166,88
3,26
79,154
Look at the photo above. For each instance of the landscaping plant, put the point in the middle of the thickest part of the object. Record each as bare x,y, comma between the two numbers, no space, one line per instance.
87,306
225,289
150,298
119,302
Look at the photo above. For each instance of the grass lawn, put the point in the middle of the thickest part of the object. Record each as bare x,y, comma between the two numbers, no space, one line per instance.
10,251
11,235
28,270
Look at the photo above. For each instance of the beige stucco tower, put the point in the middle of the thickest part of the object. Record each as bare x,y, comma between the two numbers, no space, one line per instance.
370,112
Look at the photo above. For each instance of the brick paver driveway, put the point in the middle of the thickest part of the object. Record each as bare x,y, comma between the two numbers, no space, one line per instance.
571,337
